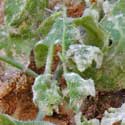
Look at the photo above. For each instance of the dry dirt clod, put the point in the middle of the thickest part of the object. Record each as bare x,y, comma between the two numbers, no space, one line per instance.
95,107
16,97
76,10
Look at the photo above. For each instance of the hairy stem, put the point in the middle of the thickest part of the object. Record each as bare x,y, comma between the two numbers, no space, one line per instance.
18,66
63,40
49,59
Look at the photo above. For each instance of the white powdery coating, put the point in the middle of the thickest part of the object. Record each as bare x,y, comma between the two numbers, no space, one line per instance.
78,121
114,115
84,56
106,7
83,86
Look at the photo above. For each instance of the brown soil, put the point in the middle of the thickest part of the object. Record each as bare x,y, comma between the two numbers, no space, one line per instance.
95,106
16,97
76,10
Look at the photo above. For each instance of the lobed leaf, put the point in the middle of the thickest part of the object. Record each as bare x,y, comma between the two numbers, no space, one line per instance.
47,24
84,56
78,89
46,94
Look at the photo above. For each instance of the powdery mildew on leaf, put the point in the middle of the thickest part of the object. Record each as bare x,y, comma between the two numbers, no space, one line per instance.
80,121
55,34
84,56
112,71
46,94
55,37
78,88
114,115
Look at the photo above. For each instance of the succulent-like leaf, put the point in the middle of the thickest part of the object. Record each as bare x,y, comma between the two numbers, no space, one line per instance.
46,94
78,89
84,55
47,24
95,35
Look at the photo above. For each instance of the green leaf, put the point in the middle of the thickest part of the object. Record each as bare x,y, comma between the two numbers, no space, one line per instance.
111,75
40,53
12,8
14,46
3,37
83,56
22,19
78,89
114,23
46,94
54,37
119,8
47,24
95,35
17,11
7,120
56,32
19,43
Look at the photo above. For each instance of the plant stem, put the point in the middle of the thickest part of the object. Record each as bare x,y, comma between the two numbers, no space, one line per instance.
63,40
18,65
40,115
58,72
49,59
